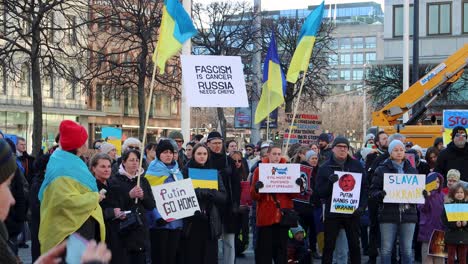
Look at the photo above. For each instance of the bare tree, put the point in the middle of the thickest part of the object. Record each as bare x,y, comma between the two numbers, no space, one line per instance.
224,28
40,37
287,30
122,42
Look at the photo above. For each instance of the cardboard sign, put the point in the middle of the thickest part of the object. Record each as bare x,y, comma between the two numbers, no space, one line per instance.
437,246
113,135
214,81
404,188
306,174
175,200
451,119
456,212
245,199
431,182
305,130
204,178
346,193
279,177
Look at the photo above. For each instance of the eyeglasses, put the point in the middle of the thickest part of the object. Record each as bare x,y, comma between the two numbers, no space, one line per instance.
179,140
134,147
460,135
341,146
238,161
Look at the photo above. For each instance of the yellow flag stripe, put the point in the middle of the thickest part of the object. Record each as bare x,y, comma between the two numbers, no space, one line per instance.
205,184
273,89
301,58
167,45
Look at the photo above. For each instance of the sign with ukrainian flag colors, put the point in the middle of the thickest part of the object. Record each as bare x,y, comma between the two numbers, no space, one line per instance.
204,178
456,212
431,182
346,193
113,135
214,81
279,177
453,118
176,200
404,188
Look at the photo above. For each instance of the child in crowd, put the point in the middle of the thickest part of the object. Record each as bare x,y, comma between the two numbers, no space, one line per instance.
429,219
297,249
456,235
453,177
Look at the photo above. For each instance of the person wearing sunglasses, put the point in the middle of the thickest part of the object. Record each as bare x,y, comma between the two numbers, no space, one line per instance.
455,156
179,139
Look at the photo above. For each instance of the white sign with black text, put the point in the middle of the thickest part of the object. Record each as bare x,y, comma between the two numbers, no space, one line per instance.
175,200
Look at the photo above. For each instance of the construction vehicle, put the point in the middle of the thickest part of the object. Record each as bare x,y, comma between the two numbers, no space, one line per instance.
430,87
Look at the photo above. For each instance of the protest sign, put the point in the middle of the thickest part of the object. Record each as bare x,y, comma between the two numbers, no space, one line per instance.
431,182
175,200
305,130
204,178
456,212
245,199
437,246
404,188
411,158
243,118
346,193
451,119
214,81
113,135
279,177
306,174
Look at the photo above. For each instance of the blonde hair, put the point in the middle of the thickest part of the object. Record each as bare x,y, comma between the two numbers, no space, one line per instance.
453,173
454,189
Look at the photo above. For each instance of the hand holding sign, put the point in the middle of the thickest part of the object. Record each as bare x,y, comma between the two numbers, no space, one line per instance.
279,177
175,200
404,188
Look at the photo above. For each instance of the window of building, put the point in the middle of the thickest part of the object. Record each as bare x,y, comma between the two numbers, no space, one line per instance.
333,59
358,43
358,58
439,18
345,43
465,16
371,42
334,44
161,105
99,97
25,80
345,58
174,106
48,84
50,32
70,86
371,56
3,80
112,101
333,75
131,102
398,20
72,35
345,75
358,74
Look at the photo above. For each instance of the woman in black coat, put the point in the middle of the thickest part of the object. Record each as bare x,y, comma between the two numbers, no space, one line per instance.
201,232
135,237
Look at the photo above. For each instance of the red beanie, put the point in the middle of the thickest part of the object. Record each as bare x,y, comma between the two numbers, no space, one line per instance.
72,135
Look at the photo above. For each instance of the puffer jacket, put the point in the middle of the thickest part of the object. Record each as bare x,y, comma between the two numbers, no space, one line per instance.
392,212
430,211
455,235
453,158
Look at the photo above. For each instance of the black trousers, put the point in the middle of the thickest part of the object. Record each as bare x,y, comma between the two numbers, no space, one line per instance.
374,230
272,244
352,228
198,247
164,245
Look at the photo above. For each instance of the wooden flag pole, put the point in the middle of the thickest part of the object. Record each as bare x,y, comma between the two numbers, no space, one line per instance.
268,117
294,114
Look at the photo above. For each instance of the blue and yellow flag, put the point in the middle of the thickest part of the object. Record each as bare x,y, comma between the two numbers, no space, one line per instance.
456,212
301,57
431,182
176,28
204,178
273,83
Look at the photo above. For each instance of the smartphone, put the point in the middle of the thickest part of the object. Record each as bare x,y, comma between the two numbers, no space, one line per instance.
76,246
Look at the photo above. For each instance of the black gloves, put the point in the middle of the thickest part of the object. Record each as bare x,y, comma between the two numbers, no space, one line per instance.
161,222
258,186
381,195
359,211
300,182
203,193
425,194
333,178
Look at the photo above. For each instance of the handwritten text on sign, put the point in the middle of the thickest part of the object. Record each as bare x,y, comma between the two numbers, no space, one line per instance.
404,188
214,81
279,177
453,118
346,192
175,200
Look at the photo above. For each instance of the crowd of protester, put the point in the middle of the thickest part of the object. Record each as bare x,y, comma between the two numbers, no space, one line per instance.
107,197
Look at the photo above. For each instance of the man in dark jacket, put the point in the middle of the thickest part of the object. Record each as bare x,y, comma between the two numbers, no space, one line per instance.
455,156
325,151
340,161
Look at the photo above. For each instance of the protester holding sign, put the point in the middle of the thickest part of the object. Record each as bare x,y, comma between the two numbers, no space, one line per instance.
272,236
394,218
201,232
326,177
456,236
165,237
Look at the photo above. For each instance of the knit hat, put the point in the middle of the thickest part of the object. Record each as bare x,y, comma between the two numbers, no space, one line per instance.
368,137
106,147
417,148
456,129
176,134
295,230
164,145
214,135
324,137
453,174
393,144
340,140
72,135
252,146
309,154
174,144
7,161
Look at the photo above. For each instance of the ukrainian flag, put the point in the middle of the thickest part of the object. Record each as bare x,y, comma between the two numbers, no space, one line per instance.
431,182
273,83
69,196
456,212
301,57
176,28
204,178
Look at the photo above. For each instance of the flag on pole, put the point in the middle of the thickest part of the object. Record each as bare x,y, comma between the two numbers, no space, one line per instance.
273,83
301,57
176,28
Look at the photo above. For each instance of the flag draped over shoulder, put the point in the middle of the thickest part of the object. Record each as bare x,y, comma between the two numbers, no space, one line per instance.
176,28
273,83
158,173
301,57
69,196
